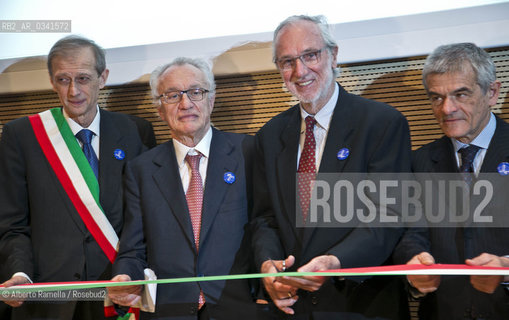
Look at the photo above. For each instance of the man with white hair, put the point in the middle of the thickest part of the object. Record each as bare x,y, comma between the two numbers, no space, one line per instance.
187,204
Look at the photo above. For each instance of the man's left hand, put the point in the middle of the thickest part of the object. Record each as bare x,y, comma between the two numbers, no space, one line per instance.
313,283
125,295
487,284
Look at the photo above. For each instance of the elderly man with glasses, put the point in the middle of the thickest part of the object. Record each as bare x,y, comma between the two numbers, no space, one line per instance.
329,131
187,205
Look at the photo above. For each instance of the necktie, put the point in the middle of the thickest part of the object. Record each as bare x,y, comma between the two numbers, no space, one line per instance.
467,161
467,157
464,235
194,197
85,137
307,167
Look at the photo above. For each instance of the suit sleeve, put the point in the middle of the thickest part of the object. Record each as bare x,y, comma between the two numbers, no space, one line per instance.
414,240
131,259
15,242
391,154
265,230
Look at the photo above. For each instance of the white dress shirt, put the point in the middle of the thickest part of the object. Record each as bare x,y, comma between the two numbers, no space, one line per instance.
482,140
323,118
94,127
182,150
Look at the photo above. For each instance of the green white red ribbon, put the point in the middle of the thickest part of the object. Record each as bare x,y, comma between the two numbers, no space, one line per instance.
436,269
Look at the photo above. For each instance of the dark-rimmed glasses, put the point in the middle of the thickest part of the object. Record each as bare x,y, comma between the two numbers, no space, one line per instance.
196,94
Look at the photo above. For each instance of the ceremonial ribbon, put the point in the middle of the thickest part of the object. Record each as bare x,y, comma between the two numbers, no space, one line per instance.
416,269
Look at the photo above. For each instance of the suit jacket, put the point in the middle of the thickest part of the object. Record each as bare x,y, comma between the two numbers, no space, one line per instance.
377,137
158,232
41,233
455,297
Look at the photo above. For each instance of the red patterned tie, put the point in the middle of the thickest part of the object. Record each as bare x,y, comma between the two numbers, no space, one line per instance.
307,167
194,197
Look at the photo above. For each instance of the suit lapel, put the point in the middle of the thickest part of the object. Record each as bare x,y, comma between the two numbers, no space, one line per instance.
498,150
442,156
340,128
168,180
339,132
220,162
110,140
286,162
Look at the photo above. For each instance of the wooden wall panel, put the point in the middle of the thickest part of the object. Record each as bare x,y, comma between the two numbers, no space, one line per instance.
245,102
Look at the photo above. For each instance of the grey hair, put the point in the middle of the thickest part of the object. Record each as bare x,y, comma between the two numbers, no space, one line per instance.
452,58
198,63
323,26
66,47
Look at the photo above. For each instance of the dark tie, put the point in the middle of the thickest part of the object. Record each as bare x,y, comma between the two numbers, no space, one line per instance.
464,235
467,162
307,167
85,137
467,158
194,197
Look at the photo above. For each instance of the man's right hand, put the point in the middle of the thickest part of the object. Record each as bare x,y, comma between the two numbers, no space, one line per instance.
125,295
283,296
423,283
14,281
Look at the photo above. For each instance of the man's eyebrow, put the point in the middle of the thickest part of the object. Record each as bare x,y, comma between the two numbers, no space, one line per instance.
467,89
462,89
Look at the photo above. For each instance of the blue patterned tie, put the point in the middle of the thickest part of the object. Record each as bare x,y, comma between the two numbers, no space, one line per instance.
464,234
467,158
467,162
85,136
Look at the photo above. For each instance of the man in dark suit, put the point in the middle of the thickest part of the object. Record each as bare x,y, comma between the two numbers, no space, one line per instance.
348,134
169,232
460,80
43,233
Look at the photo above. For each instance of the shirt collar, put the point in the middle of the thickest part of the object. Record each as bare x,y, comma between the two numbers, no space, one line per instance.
203,147
483,139
324,116
75,127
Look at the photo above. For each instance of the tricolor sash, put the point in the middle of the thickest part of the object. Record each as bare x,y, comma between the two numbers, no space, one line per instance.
75,174
72,169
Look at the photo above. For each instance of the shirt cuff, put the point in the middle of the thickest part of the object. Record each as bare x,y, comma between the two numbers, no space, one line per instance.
22,274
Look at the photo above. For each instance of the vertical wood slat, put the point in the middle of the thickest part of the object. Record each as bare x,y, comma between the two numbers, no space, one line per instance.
246,102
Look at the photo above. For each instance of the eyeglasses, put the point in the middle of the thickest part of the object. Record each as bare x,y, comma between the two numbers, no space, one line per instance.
175,96
308,59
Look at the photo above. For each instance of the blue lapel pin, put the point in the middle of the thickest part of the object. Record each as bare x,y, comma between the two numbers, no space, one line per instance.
343,153
503,168
229,177
119,154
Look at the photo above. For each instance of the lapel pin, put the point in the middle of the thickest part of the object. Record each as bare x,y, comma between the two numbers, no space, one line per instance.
343,153
119,154
229,177
503,168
